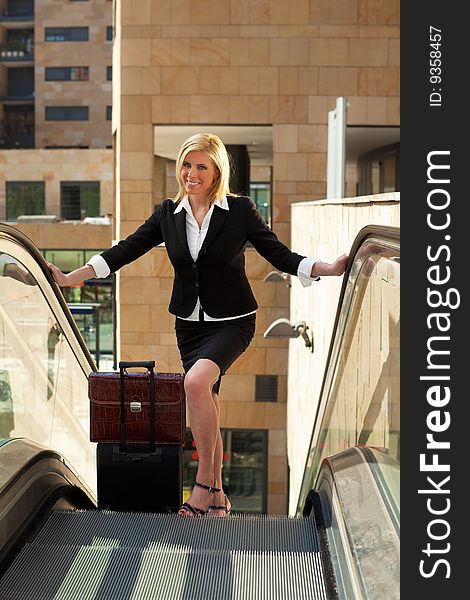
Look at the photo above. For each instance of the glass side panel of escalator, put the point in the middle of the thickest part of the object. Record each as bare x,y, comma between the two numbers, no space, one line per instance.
362,395
43,383
360,407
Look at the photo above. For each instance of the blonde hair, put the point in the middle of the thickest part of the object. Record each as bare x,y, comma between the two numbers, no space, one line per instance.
213,146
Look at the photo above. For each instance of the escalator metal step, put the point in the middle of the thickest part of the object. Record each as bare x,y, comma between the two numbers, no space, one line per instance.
106,528
131,556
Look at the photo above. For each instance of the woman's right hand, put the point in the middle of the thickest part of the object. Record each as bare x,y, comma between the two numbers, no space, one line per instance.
60,278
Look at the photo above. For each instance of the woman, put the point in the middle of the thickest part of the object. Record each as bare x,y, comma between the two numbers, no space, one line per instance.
205,229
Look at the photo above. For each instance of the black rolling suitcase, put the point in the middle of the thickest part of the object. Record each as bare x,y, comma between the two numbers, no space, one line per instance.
135,476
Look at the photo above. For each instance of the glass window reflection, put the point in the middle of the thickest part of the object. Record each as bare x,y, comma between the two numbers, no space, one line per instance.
43,387
244,469
92,291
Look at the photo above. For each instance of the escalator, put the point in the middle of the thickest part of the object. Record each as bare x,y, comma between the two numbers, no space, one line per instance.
55,544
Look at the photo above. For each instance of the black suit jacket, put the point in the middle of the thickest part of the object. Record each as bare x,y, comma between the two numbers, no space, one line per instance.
218,275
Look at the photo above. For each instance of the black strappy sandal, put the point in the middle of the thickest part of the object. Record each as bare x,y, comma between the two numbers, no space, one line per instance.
198,512
224,508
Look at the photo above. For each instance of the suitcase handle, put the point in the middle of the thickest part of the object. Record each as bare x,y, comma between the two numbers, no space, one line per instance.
149,365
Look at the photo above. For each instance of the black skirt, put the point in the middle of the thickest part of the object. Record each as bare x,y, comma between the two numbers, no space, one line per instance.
219,341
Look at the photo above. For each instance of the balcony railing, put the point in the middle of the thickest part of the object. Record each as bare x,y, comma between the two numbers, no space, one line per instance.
15,50
15,56
16,15
17,98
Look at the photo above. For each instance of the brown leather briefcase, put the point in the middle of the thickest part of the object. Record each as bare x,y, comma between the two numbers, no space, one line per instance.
122,411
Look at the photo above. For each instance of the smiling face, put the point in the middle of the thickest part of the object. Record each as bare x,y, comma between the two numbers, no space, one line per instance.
198,173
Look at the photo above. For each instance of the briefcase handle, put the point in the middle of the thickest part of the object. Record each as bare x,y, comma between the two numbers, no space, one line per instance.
146,364
149,365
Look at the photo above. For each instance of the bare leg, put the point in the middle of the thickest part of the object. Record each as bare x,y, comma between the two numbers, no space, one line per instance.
219,497
204,421
219,450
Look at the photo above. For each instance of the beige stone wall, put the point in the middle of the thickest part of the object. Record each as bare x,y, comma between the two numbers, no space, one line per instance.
67,235
261,173
54,166
95,54
324,229
240,62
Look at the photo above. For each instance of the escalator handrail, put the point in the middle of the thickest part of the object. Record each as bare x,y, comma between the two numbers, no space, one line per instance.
356,542
385,233
370,455
23,240
29,489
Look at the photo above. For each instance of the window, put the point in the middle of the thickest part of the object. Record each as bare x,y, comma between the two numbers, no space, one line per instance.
109,73
20,39
24,198
67,73
17,126
260,192
109,113
18,8
379,170
244,467
79,199
90,291
66,34
109,33
66,113
20,82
